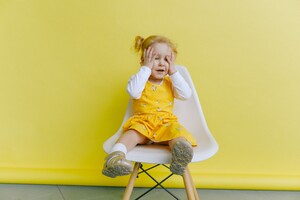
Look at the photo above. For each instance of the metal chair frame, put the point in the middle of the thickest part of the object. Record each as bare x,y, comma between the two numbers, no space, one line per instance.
191,190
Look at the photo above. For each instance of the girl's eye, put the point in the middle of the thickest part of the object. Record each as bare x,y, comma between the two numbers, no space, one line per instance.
156,58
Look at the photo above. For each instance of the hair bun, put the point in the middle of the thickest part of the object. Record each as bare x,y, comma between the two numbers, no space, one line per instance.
138,43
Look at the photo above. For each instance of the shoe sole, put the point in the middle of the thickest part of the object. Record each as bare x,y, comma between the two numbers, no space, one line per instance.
182,155
117,170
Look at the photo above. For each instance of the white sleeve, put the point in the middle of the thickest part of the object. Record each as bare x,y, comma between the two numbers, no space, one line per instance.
137,82
180,87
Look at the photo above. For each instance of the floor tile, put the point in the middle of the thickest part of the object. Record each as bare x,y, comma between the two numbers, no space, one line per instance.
112,193
91,193
248,195
29,192
47,192
158,194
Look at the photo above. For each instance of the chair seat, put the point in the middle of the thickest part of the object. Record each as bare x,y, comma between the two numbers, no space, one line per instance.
148,153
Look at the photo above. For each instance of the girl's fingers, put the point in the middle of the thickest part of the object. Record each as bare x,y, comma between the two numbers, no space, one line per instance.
168,59
152,54
145,53
150,50
148,53
172,56
148,57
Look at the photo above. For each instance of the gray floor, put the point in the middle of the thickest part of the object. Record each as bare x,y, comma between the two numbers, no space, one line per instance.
54,192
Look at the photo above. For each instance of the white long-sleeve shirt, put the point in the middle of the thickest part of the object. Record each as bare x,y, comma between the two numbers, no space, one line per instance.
137,82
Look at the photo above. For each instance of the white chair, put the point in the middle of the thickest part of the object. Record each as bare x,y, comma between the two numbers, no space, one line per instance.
190,115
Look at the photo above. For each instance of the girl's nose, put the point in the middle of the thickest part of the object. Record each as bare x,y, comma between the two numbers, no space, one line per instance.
162,62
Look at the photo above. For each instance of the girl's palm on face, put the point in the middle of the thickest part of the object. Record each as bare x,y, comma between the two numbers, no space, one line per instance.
170,60
148,57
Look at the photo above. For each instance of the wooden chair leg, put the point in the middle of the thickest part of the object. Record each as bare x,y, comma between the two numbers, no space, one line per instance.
188,185
191,190
193,185
131,182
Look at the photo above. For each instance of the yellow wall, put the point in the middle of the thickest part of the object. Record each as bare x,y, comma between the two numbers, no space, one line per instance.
64,66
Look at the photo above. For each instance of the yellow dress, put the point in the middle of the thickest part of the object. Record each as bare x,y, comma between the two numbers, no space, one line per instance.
153,114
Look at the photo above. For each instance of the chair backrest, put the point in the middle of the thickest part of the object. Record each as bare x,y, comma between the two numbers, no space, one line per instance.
189,112
190,115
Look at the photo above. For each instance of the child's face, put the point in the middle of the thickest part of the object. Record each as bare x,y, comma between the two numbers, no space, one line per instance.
161,66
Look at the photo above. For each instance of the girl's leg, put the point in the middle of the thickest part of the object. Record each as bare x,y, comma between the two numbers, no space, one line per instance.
182,155
172,142
131,138
116,163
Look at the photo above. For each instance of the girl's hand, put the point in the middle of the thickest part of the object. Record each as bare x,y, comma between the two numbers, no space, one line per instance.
170,60
148,57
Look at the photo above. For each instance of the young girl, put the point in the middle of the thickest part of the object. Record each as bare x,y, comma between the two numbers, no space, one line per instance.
153,89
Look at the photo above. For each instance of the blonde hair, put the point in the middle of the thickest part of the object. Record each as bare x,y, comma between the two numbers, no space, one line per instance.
141,44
